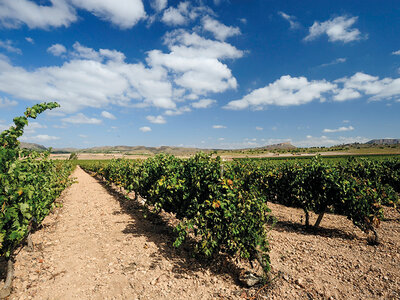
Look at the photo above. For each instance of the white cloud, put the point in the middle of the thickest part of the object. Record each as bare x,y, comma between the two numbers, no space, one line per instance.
80,83
83,52
291,19
5,102
145,129
335,62
159,5
337,29
361,83
346,94
123,13
99,78
311,141
57,49
203,103
195,62
80,118
259,128
84,136
220,31
340,129
29,40
178,111
14,13
285,91
7,45
396,52
176,16
221,139
156,119
39,138
219,126
33,126
288,91
108,115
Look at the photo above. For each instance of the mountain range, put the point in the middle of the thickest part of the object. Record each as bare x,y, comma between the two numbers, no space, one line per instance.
175,150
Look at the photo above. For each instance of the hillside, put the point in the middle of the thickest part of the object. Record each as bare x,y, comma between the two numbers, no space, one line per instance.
384,142
33,146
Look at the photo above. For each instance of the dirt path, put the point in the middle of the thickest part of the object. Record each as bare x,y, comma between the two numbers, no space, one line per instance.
100,246
92,249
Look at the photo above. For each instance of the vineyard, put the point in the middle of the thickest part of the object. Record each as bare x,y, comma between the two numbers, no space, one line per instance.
222,207
224,204
29,184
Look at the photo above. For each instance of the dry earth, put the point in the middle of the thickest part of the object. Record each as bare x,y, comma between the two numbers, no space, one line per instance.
99,246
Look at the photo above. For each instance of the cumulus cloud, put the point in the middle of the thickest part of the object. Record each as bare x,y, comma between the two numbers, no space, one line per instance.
396,52
337,29
285,91
220,31
82,82
183,13
196,62
288,91
177,111
8,45
14,13
340,129
123,13
159,5
108,115
219,126
259,128
39,138
145,129
364,84
80,118
5,102
192,68
175,16
291,19
156,119
203,103
57,49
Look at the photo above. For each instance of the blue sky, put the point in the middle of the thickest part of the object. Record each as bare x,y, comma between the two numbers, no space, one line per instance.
208,74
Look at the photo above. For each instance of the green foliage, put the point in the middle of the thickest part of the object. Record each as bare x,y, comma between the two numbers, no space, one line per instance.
73,156
228,212
29,183
219,211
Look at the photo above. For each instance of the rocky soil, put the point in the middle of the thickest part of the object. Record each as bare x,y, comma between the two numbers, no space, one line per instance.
99,245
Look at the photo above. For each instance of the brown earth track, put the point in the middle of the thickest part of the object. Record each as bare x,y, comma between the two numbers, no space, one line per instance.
99,246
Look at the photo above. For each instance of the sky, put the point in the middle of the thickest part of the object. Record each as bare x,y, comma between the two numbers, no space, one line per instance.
209,74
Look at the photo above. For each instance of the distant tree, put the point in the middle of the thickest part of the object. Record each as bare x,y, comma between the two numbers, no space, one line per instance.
73,156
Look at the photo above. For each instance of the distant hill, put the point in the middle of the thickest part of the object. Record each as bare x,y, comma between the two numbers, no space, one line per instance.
32,146
142,150
64,150
384,142
283,146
